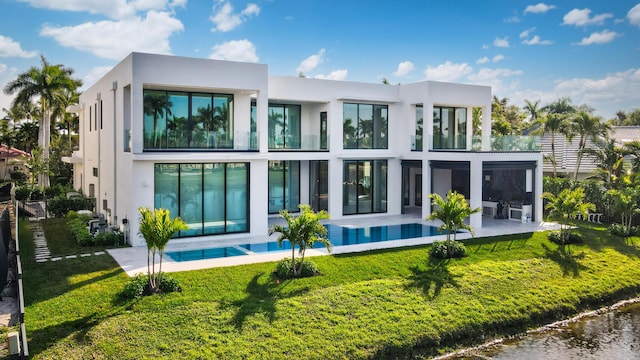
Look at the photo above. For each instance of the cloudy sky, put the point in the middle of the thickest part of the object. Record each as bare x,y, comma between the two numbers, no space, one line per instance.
588,50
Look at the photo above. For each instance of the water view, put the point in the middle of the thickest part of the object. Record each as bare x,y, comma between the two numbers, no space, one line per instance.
614,334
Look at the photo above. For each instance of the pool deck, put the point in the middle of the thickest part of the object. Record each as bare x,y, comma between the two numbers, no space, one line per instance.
133,260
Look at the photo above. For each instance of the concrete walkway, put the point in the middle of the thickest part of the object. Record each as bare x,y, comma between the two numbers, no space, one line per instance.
134,260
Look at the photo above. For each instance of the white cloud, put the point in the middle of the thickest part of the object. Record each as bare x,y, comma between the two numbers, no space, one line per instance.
404,68
226,20
501,42
311,62
634,15
539,8
235,50
448,71
599,38
526,33
582,17
113,39
115,9
11,48
536,41
6,74
498,57
334,75
483,60
501,80
94,75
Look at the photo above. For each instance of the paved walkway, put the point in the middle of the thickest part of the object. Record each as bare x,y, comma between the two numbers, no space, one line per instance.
134,260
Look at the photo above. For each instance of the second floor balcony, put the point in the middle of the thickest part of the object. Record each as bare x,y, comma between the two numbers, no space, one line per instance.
498,143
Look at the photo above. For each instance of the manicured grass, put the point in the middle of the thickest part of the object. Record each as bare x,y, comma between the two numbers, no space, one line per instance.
382,304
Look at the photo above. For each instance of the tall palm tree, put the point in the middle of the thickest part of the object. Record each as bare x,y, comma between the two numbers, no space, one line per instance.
45,84
632,149
553,124
586,126
59,114
533,110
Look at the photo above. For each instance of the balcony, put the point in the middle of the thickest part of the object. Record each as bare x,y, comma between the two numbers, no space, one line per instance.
204,141
304,143
509,143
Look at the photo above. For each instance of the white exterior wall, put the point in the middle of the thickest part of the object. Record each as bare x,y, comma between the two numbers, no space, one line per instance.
126,179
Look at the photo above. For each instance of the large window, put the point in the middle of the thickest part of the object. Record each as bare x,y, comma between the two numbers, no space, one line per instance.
364,186
365,126
211,198
449,128
182,120
284,126
419,122
284,186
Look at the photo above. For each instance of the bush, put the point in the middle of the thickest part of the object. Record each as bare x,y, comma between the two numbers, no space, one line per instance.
19,177
619,230
60,205
139,286
574,238
37,194
23,192
108,238
283,269
439,250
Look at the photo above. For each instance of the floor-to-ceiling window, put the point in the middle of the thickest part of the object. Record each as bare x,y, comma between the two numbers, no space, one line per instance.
187,120
419,122
365,126
284,126
284,186
319,184
364,186
449,128
212,198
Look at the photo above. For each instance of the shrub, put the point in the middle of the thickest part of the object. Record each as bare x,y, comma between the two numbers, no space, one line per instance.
139,286
37,194
619,230
283,269
108,238
23,192
439,250
60,205
19,177
574,238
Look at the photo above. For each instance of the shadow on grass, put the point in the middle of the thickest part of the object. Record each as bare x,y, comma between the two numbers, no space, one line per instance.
432,279
498,243
261,298
563,256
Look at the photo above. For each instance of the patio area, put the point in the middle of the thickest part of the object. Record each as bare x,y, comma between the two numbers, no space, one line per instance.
133,260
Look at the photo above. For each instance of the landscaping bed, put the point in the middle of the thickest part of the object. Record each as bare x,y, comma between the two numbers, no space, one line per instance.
383,304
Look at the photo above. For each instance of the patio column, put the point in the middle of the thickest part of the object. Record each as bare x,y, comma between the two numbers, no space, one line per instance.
475,189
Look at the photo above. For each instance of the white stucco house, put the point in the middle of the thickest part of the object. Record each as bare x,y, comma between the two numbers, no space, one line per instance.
226,146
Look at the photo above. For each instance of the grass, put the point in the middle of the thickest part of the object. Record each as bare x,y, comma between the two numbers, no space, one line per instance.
385,304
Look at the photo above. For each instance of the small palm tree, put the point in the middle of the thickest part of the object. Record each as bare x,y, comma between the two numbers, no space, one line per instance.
157,228
302,231
452,211
565,207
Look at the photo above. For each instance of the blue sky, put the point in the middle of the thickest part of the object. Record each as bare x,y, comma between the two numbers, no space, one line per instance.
588,50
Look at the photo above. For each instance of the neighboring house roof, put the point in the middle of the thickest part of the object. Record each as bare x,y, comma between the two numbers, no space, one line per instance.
625,134
12,152
566,154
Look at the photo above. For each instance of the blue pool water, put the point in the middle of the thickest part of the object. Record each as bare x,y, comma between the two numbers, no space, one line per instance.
338,236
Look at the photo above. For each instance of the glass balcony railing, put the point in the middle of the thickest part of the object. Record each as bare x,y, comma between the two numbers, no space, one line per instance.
509,143
304,143
236,141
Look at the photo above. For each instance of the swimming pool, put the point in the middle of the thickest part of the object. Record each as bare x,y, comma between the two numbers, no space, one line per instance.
338,236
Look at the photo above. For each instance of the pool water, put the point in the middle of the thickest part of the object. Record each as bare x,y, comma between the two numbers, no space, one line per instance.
338,236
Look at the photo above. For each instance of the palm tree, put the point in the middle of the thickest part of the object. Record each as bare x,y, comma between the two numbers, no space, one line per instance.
156,104
565,206
157,227
46,84
452,211
586,126
552,124
533,110
302,231
632,149
609,159
62,118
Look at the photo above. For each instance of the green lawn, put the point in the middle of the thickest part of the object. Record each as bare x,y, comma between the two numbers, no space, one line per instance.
383,304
